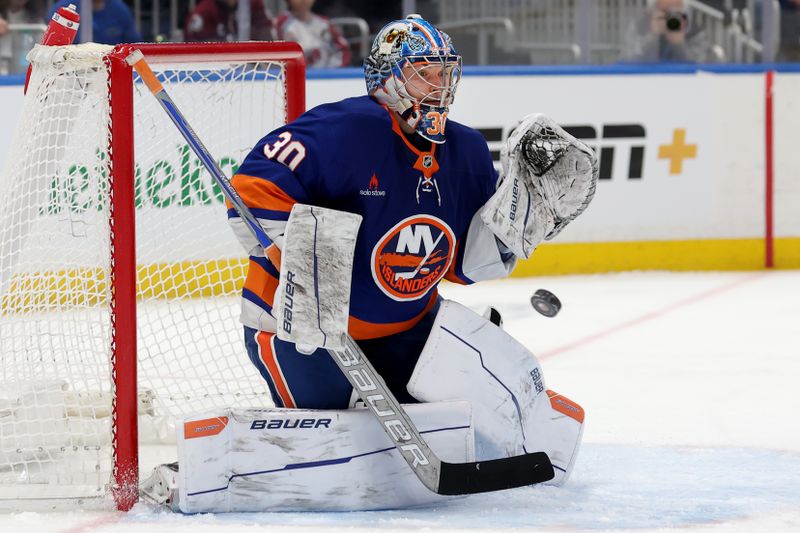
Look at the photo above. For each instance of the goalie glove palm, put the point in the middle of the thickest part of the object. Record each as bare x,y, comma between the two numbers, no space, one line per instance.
563,169
550,178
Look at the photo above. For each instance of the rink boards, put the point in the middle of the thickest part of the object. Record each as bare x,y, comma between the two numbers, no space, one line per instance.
683,155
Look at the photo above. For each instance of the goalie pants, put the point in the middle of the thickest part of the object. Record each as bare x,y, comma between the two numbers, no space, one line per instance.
314,381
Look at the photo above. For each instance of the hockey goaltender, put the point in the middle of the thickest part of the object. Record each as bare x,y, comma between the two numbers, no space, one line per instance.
367,204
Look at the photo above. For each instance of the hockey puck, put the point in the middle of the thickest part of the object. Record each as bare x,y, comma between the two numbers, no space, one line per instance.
546,303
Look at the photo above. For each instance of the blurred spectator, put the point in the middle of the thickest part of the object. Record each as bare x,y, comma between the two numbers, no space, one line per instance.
112,21
215,20
19,12
15,44
322,43
665,33
790,30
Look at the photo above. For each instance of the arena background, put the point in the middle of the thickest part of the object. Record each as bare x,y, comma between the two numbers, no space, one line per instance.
684,152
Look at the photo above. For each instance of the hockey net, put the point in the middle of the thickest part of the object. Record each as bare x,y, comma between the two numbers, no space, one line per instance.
79,349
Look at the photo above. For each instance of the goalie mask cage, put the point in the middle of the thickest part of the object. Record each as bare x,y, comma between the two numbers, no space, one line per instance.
119,278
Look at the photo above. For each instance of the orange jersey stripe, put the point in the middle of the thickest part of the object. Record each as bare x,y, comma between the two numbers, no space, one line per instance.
273,253
450,275
261,283
362,330
452,278
427,171
261,194
267,355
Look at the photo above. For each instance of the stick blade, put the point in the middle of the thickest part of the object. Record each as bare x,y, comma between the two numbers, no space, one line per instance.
498,474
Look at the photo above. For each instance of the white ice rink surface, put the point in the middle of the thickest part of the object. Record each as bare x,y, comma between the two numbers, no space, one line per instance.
689,382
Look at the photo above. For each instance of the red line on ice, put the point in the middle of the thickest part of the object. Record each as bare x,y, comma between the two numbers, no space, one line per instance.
649,316
107,518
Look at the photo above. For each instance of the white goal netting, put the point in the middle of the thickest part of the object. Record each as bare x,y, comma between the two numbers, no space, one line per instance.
56,356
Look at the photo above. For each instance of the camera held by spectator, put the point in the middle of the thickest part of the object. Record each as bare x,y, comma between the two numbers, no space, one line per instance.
676,20
665,33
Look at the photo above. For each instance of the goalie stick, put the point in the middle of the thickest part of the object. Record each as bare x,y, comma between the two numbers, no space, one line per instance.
438,476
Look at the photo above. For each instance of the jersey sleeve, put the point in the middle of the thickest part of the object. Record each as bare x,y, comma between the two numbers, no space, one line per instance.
280,171
480,256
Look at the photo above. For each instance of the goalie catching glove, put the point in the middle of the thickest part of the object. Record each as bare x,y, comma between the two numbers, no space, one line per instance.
549,178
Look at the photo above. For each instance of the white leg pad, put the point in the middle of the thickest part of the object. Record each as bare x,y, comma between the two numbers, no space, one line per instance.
467,357
310,460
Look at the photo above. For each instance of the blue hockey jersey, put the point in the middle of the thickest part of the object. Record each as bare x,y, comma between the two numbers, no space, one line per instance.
418,207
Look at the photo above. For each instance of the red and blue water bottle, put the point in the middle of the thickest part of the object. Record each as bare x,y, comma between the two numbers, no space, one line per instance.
61,30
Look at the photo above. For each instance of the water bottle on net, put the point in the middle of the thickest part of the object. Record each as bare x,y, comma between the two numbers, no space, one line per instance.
61,30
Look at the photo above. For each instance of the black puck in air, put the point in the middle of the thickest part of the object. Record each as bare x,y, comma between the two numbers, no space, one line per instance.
546,303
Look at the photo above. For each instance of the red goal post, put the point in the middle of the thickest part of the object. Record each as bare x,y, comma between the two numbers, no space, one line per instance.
124,275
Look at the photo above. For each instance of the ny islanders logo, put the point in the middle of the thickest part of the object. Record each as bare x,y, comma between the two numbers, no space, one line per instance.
412,257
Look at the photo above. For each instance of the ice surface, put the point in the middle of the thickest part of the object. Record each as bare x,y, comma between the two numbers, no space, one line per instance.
689,382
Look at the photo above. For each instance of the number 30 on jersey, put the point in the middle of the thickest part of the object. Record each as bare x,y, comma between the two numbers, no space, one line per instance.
290,153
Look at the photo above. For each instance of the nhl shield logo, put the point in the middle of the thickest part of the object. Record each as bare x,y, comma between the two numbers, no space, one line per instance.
412,257
427,161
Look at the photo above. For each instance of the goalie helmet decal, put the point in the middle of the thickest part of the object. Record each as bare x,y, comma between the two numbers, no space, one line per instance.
413,69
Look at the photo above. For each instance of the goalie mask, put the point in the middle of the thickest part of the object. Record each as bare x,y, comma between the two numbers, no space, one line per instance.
413,70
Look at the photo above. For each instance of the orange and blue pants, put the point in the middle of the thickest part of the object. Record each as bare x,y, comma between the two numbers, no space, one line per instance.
314,381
